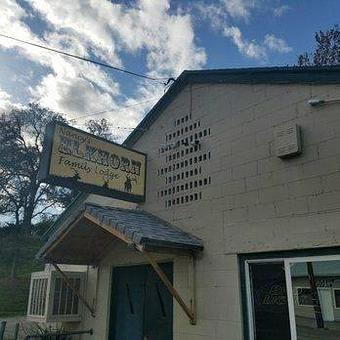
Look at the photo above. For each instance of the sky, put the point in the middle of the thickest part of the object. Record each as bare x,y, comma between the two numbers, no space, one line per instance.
158,38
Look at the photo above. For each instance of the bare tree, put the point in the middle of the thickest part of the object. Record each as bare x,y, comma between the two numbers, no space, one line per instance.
22,197
101,128
327,49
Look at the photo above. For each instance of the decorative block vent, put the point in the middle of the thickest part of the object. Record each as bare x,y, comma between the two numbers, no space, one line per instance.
52,300
183,162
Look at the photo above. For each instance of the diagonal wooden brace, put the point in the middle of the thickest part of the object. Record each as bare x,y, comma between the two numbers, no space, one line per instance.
190,312
75,291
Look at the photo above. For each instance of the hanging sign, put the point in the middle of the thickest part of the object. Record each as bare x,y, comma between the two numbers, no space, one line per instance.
82,161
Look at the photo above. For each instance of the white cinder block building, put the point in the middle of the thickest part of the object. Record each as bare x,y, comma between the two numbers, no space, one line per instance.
242,213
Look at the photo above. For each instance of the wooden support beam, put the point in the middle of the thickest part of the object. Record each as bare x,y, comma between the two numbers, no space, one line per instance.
63,234
109,229
192,285
188,311
70,285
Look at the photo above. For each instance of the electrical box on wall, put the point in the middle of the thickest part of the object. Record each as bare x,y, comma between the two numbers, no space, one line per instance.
288,140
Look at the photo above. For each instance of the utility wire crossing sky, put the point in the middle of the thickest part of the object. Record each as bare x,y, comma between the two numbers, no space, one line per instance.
152,41
87,59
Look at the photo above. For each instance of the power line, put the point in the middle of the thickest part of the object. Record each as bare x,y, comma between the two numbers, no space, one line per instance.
128,128
88,114
162,80
139,103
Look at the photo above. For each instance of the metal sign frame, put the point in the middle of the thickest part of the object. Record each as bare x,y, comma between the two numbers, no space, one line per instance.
69,182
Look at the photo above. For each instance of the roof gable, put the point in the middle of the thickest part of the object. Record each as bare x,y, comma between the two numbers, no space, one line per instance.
264,75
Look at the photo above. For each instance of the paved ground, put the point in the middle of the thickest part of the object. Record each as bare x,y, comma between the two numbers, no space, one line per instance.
306,330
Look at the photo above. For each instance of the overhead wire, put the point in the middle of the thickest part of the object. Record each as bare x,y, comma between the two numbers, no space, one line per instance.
161,80
89,114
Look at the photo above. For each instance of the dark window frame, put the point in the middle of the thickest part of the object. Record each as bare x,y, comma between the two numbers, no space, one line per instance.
242,258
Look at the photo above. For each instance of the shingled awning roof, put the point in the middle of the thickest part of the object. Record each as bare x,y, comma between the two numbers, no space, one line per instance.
145,229
85,239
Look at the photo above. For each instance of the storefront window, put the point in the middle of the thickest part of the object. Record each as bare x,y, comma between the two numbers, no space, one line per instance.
269,299
294,298
315,315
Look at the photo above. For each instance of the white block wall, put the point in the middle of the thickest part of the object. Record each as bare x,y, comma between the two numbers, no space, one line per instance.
256,202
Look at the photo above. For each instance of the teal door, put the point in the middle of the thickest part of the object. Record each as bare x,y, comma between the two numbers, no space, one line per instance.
141,306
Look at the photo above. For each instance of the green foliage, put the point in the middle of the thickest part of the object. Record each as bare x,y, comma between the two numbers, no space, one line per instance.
14,292
327,49
14,297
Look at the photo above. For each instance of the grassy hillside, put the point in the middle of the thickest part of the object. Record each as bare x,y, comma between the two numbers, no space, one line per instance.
14,292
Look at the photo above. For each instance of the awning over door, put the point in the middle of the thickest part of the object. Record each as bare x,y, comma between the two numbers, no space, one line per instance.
94,231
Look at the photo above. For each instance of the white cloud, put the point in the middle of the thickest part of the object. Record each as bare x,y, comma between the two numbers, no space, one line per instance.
11,23
279,11
213,13
276,44
167,38
221,14
5,101
105,30
248,48
71,95
239,8
79,18
254,50
110,31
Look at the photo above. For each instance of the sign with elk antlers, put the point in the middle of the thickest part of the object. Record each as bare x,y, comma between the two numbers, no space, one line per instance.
79,160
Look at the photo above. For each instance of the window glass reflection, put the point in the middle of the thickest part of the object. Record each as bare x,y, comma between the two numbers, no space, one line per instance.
269,297
316,295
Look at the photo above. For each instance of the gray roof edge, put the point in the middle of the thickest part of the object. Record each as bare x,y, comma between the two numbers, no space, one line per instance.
171,245
172,226
190,242
251,75
147,214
